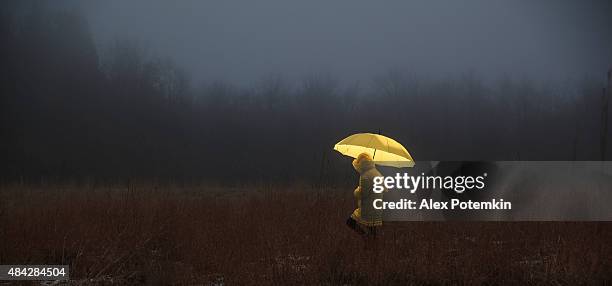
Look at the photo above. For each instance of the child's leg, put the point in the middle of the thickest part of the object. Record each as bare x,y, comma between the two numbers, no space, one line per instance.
352,224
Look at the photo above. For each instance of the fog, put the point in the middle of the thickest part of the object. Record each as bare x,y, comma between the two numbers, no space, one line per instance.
240,91
243,41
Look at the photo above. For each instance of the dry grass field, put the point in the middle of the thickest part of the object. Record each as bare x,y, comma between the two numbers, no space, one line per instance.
264,235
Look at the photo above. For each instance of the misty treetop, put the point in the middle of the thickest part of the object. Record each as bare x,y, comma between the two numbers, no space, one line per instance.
70,110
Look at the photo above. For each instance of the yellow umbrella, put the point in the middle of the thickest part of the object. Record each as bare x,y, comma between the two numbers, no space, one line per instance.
384,150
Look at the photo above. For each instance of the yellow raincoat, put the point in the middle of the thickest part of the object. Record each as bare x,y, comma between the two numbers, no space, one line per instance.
366,214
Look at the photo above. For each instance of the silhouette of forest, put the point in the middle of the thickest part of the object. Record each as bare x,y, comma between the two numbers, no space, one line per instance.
70,110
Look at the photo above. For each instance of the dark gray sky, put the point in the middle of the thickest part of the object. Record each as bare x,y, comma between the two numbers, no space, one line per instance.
243,41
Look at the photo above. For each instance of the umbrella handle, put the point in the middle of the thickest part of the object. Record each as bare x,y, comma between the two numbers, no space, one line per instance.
374,156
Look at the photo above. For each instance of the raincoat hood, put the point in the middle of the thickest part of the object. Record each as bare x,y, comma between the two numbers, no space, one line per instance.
363,163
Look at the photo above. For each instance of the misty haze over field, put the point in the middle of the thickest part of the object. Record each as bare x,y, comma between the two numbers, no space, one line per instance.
191,142
243,41
261,91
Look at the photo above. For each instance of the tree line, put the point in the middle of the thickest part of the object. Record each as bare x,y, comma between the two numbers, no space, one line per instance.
69,110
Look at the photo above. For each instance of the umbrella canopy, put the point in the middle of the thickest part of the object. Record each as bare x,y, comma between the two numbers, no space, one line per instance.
384,150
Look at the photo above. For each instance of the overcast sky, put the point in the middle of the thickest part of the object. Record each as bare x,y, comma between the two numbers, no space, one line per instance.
243,41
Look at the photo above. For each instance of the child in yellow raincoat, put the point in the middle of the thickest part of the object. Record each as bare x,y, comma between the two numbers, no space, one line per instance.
365,219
